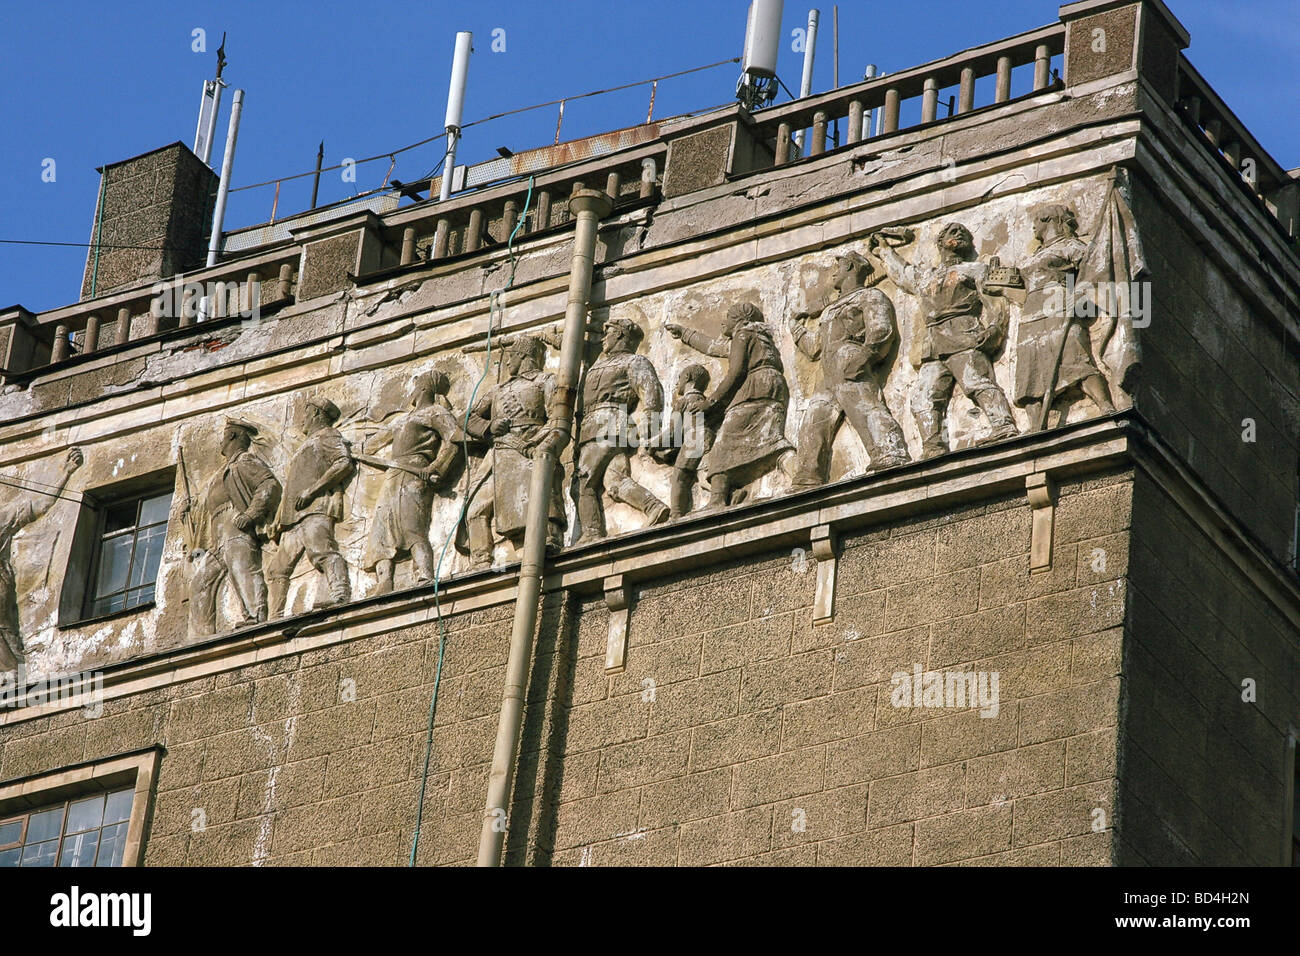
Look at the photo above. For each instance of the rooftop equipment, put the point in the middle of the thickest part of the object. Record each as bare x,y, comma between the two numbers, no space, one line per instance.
758,83
455,107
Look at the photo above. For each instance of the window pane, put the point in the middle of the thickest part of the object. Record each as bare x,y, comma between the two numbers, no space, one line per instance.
118,807
120,516
85,814
10,857
148,552
10,832
112,845
45,826
79,850
154,510
114,562
40,854
138,596
107,605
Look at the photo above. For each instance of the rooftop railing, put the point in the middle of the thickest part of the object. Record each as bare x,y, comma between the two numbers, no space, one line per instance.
629,165
855,105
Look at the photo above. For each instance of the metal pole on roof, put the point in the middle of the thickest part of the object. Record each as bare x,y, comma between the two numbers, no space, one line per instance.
455,107
227,164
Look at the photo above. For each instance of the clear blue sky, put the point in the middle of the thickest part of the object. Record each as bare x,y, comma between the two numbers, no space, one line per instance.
87,84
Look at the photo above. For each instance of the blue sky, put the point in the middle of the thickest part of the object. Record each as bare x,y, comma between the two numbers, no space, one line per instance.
88,84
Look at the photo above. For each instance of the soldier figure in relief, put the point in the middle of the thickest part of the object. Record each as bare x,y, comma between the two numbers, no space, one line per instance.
424,444
318,474
621,395
955,346
228,526
856,333
515,417
14,516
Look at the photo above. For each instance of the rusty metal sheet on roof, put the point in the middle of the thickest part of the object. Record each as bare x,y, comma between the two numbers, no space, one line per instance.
280,231
549,157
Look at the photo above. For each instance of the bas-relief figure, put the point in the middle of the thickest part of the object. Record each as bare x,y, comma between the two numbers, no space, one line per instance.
856,333
311,506
228,527
731,436
686,448
621,396
14,516
1077,308
751,400
956,345
514,416
1053,349
424,444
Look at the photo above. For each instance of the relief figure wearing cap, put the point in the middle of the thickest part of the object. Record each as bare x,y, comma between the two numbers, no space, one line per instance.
955,346
318,474
620,393
855,335
514,417
424,444
228,526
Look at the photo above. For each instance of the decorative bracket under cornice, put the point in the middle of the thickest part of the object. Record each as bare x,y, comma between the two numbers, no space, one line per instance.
618,600
826,549
1041,490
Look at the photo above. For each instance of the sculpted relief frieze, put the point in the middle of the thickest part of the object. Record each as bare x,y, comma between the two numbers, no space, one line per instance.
923,338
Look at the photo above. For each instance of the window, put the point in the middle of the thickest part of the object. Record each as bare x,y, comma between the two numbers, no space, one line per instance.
93,814
130,543
117,547
87,831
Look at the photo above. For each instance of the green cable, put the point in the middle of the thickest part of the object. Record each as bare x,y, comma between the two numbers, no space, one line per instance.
493,309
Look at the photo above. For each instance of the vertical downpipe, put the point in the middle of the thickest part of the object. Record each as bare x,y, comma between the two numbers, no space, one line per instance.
588,208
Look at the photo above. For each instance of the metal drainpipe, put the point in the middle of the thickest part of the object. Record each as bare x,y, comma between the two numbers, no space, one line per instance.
588,207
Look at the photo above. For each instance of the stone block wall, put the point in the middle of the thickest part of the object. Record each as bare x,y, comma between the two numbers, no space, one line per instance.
1202,778
739,733
1214,362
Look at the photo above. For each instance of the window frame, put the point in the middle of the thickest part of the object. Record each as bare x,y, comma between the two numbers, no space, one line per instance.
80,578
137,770
102,509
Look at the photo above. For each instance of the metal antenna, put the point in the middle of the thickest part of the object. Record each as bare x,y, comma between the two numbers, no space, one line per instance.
210,106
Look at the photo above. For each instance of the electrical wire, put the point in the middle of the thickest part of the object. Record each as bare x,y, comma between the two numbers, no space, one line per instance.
494,309
392,153
37,491
487,119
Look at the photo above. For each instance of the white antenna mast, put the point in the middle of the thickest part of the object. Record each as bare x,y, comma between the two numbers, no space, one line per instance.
209,106
809,53
758,84
455,107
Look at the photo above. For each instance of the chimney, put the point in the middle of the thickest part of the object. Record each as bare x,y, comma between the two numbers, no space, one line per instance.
152,218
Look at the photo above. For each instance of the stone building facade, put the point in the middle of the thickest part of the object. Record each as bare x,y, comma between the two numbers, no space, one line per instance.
934,476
